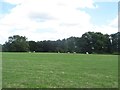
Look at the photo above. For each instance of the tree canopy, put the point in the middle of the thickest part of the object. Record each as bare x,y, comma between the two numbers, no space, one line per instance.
91,42
16,43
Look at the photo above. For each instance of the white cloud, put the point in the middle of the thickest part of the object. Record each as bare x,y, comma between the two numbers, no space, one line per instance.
114,22
110,28
106,0
33,18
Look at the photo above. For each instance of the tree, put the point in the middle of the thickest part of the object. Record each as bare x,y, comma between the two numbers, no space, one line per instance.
91,42
96,42
72,44
115,40
32,46
0,48
87,42
16,43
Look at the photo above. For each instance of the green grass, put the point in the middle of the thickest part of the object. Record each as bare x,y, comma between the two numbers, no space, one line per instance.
52,70
0,70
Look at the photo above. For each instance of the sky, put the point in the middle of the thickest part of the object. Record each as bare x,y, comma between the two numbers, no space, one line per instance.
56,19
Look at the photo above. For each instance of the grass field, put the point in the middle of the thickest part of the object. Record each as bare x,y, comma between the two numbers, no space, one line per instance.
52,70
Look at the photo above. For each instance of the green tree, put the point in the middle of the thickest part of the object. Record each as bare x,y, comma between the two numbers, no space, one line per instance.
87,42
16,43
96,42
115,39
32,46
0,48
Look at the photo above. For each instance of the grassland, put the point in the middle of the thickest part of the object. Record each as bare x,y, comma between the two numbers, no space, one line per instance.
52,70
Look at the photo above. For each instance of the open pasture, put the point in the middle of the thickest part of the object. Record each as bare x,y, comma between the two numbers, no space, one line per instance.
58,70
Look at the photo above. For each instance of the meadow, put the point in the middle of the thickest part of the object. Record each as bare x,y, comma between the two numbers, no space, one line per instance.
59,70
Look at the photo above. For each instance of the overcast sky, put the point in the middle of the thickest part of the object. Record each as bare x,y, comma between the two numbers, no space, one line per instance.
56,19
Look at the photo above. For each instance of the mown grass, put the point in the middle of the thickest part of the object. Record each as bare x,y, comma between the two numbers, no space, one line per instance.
52,70
0,70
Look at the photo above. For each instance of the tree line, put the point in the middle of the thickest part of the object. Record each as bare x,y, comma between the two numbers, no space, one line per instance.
91,42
